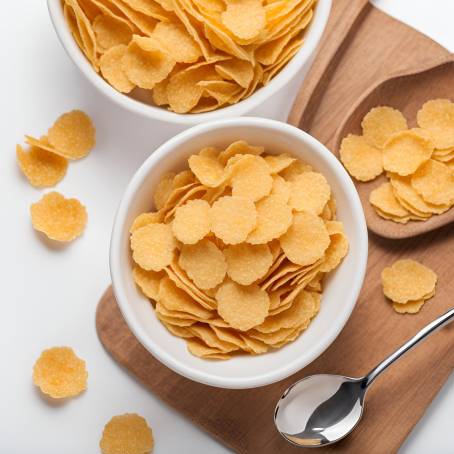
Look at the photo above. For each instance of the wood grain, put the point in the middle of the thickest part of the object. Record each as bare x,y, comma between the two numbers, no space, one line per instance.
243,419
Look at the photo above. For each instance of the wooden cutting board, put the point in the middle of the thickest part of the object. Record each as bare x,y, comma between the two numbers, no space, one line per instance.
243,420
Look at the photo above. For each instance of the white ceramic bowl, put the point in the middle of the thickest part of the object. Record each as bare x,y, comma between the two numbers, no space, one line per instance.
341,290
294,67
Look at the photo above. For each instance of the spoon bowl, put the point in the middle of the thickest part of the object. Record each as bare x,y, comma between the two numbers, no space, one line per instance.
320,409
406,91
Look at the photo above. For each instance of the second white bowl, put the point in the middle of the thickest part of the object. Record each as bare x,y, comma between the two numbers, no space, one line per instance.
341,289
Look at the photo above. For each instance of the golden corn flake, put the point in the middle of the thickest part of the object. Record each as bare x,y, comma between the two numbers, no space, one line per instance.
207,169
293,170
240,147
175,299
242,307
247,263
412,307
72,135
59,218
277,163
163,190
127,434
434,181
204,263
250,177
405,151
281,188
336,251
192,221
274,217
240,71
198,348
381,123
153,246
437,116
383,199
309,192
41,167
210,338
177,42
111,31
306,240
233,218
244,18
363,161
144,219
60,373
144,62
148,281
407,280
112,71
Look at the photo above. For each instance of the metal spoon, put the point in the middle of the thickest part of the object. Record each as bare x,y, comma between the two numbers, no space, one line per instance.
322,409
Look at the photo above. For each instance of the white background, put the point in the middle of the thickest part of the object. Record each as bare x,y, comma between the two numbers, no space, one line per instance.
49,294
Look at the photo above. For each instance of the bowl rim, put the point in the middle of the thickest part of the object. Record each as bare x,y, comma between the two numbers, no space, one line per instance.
284,77
116,246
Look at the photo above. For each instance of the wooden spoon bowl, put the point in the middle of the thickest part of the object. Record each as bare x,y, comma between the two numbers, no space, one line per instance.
407,92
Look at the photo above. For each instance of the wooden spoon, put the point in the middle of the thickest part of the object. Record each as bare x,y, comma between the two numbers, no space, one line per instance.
365,59
406,91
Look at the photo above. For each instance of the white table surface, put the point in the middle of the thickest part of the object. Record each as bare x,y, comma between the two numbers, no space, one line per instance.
49,294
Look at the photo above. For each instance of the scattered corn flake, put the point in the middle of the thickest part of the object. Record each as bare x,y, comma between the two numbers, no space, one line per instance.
110,65
41,167
145,63
148,281
127,434
407,280
250,177
177,42
274,217
247,263
242,307
60,373
309,192
412,307
42,143
280,188
434,181
336,251
153,246
58,218
111,31
192,221
204,263
437,116
405,151
383,199
233,218
380,123
306,240
363,161
72,135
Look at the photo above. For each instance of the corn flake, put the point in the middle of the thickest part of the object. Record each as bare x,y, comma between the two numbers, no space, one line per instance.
192,221
127,434
153,246
59,373
437,116
242,307
407,280
309,192
112,71
72,135
59,218
111,31
41,167
381,123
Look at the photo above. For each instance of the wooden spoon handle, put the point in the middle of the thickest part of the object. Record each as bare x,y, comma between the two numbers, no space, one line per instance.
341,24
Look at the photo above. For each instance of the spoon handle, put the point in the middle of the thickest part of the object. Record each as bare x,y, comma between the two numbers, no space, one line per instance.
422,335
